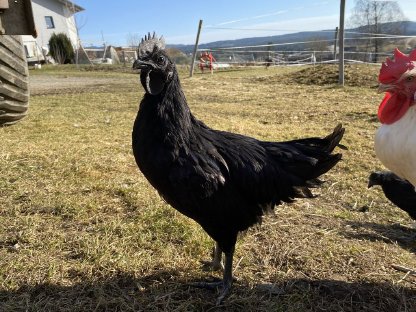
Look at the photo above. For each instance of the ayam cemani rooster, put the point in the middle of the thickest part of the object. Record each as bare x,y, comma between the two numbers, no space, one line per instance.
224,181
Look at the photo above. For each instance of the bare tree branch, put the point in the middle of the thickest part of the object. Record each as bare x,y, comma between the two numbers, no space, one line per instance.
370,15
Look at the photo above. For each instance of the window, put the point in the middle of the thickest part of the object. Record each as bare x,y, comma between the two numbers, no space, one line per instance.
27,51
49,22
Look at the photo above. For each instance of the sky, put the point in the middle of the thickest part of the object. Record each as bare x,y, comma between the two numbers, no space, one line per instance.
117,22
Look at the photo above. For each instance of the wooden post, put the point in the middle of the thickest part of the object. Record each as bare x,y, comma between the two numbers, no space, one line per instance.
341,43
123,55
195,49
335,43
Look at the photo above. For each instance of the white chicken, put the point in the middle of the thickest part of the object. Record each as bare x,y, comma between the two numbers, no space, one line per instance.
395,141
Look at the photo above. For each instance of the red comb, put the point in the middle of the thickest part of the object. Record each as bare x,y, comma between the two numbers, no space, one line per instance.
392,70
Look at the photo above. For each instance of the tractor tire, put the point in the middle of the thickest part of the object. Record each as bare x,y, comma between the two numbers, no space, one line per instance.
14,80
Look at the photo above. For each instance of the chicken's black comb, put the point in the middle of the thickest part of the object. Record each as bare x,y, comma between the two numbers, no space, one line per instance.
149,42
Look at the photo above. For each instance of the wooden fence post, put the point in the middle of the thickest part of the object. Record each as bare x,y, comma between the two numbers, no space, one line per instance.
195,49
341,43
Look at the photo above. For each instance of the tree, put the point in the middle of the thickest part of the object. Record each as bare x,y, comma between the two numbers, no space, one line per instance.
177,56
133,40
76,25
370,15
61,49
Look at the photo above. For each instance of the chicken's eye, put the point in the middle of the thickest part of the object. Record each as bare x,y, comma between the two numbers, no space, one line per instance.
410,78
161,59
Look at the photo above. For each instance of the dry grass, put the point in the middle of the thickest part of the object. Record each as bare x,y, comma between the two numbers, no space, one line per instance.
82,230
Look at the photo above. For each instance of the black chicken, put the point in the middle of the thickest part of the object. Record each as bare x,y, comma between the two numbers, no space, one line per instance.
222,180
399,191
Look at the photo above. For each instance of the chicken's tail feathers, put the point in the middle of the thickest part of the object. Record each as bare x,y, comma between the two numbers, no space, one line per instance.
315,156
306,176
301,163
335,138
304,191
324,165
332,140
326,144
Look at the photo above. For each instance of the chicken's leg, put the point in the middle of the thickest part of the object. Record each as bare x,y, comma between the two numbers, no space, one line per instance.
216,263
226,281
217,258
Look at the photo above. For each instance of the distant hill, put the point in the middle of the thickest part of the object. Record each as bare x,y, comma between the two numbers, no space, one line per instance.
409,30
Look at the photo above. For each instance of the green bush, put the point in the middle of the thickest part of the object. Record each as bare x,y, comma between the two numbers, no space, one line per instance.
61,49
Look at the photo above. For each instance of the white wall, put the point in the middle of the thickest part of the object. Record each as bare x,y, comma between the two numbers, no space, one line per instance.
63,19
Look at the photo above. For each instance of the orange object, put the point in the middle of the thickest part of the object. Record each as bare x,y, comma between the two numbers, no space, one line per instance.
206,61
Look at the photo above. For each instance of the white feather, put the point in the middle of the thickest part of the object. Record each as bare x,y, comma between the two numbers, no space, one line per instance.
395,146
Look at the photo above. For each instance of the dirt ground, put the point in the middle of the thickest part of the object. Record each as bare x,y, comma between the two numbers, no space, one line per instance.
42,85
328,74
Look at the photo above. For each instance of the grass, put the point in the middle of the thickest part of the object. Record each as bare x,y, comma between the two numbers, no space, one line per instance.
82,230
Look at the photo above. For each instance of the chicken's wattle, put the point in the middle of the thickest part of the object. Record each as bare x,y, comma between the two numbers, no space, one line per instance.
393,107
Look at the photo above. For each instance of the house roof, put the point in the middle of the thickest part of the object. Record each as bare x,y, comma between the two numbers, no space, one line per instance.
72,5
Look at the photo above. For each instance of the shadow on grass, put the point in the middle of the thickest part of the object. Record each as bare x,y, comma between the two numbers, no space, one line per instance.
404,236
167,291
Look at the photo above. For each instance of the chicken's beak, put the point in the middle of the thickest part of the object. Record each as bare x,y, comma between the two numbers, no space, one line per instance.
139,64
385,87
370,183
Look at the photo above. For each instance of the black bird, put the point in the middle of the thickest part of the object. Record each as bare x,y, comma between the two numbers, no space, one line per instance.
399,191
224,181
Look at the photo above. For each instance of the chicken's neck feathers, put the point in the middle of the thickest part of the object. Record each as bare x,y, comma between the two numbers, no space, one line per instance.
170,112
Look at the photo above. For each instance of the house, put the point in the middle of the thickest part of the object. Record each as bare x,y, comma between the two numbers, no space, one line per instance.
51,16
